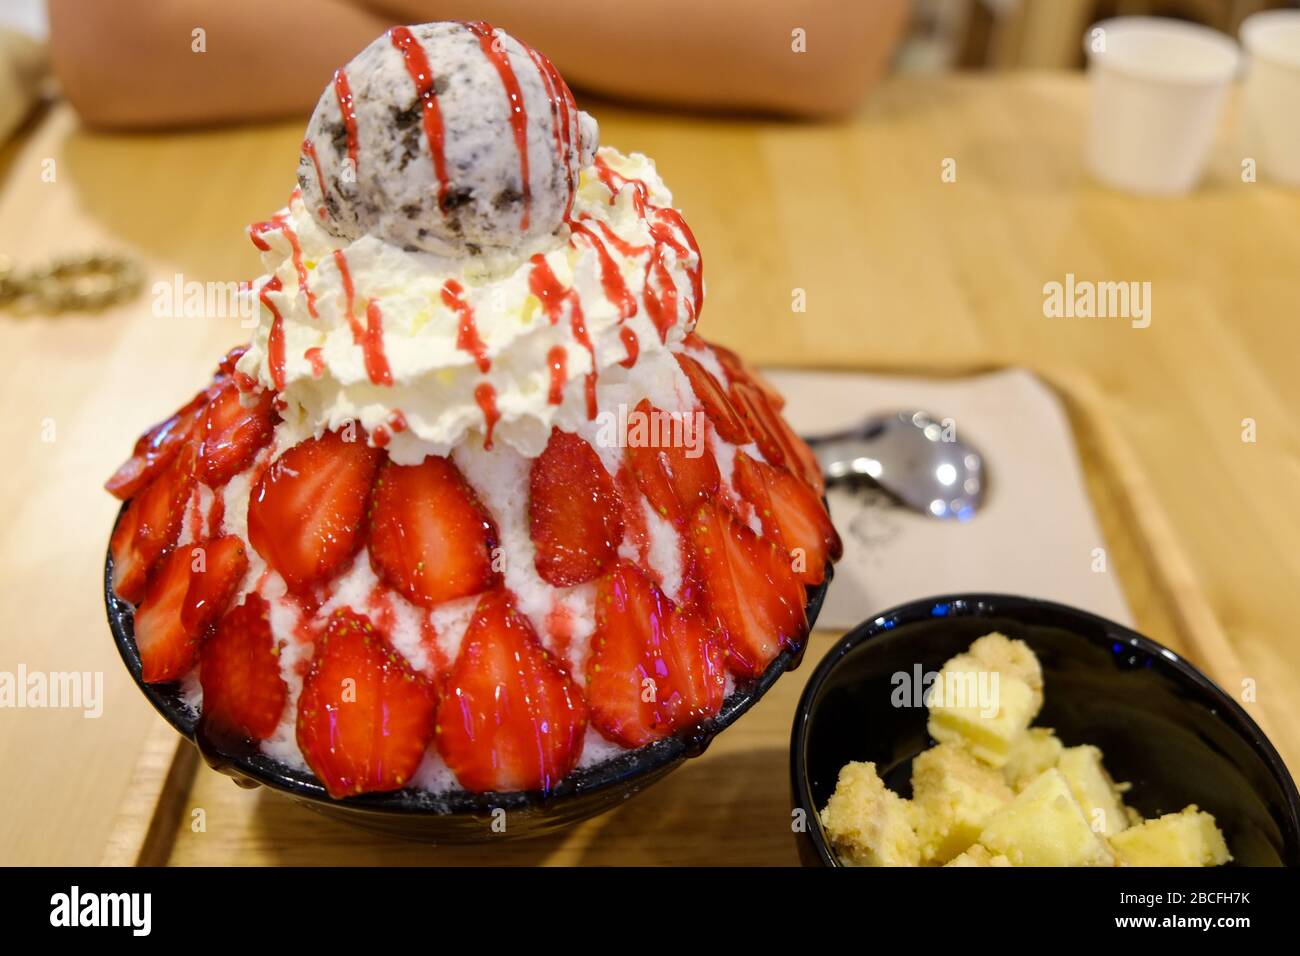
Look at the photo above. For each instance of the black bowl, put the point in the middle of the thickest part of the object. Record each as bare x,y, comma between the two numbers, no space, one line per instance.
457,816
1162,724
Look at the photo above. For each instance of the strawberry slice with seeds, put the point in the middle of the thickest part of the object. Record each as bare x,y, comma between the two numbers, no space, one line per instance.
574,512
216,568
239,668
792,515
156,449
717,406
307,512
365,718
763,421
654,668
167,649
230,434
430,538
673,477
510,718
738,370
150,525
752,591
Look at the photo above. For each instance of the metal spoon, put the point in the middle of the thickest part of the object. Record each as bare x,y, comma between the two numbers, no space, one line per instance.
914,457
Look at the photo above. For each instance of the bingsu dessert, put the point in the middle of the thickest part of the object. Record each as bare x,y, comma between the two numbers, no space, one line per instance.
476,507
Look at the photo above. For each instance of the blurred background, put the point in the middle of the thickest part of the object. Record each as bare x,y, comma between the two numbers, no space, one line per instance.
939,35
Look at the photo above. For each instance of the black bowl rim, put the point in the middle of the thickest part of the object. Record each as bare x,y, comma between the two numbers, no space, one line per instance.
619,770
987,604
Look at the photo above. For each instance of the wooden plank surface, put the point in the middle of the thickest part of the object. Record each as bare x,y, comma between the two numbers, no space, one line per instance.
899,268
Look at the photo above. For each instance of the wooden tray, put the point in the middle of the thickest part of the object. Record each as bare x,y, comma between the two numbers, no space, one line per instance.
730,806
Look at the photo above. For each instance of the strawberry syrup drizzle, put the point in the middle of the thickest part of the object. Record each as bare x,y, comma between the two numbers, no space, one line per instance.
611,279
559,627
417,65
348,108
278,221
662,304
486,397
563,110
313,356
349,295
557,361
614,239
467,337
543,283
216,513
372,345
309,148
494,49
631,344
274,338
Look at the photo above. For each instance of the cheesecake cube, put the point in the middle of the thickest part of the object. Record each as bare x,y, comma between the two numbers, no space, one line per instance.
1189,838
953,794
867,823
1093,787
1034,751
1045,826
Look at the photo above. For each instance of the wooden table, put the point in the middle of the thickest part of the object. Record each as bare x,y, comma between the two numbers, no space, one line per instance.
898,267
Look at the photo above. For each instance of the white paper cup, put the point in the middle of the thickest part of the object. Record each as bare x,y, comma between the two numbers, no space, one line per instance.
1272,95
1157,91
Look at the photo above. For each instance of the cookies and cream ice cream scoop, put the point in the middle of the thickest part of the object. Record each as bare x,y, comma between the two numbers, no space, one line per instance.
451,138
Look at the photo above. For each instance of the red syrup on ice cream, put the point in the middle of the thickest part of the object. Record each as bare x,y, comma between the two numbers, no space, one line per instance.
417,65
343,92
495,51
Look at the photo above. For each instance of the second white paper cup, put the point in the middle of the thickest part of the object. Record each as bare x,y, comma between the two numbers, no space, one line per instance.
1157,91
1272,96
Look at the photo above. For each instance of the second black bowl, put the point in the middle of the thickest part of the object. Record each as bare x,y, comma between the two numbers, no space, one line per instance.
1163,725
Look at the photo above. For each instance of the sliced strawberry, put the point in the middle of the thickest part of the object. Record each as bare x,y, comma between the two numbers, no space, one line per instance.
792,515
752,591
510,717
365,718
716,404
654,668
764,422
673,477
167,649
652,475
808,467
738,370
574,512
307,512
156,448
216,568
230,434
430,538
239,668
150,525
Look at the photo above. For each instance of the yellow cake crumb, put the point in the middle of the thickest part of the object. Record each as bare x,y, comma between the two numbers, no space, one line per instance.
867,823
1189,838
977,855
1045,826
953,794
